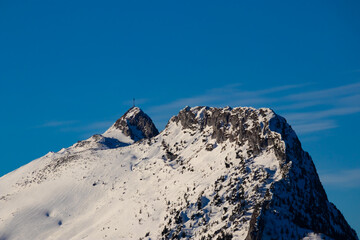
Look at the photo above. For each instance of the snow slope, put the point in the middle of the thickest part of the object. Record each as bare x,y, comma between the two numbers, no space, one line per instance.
212,173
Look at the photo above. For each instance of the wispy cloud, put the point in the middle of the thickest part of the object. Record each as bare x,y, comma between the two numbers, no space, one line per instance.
313,127
85,129
346,95
315,115
95,127
307,110
312,111
342,178
344,90
227,95
56,124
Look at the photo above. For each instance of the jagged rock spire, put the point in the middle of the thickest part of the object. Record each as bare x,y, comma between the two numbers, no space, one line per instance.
134,124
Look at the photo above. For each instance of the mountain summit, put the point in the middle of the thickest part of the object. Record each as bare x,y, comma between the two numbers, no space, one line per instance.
134,124
212,173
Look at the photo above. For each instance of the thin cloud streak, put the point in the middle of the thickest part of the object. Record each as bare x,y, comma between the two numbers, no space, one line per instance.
343,178
339,97
322,114
327,93
354,99
57,124
223,96
300,105
314,127
181,103
330,103
96,127
282,88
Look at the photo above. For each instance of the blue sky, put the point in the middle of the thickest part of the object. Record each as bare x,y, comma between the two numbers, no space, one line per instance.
69,69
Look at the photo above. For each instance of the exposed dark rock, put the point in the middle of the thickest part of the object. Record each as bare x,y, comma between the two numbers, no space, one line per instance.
136,124
209,147
245,175
297,207
255,229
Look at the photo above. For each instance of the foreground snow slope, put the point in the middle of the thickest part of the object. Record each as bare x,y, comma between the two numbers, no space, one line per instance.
211,174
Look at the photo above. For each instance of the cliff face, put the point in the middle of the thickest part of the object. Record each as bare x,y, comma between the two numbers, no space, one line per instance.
212,173
136,124
287,200
133,126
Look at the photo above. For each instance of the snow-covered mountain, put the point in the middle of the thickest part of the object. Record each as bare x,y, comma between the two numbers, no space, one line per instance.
212,173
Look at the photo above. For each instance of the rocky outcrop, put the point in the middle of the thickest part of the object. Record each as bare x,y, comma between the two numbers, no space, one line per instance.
212,173
297,201
136,124
133,126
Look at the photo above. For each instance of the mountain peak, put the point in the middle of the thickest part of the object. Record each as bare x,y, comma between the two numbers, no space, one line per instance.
132,112
212,173
134,124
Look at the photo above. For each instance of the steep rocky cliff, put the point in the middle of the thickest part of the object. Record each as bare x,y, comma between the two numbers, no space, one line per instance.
212,173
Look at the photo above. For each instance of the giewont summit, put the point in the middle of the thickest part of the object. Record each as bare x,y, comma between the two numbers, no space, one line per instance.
212,173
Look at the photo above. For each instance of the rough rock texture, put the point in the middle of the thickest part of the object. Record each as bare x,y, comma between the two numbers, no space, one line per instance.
136,124
297,201
133,126
212,173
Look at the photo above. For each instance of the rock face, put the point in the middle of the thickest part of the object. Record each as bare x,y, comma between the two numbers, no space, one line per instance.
212,173
297,200
133,126
136,124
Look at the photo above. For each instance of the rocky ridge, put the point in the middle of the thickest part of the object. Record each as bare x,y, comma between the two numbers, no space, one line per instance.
212,173
135,124
297,199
